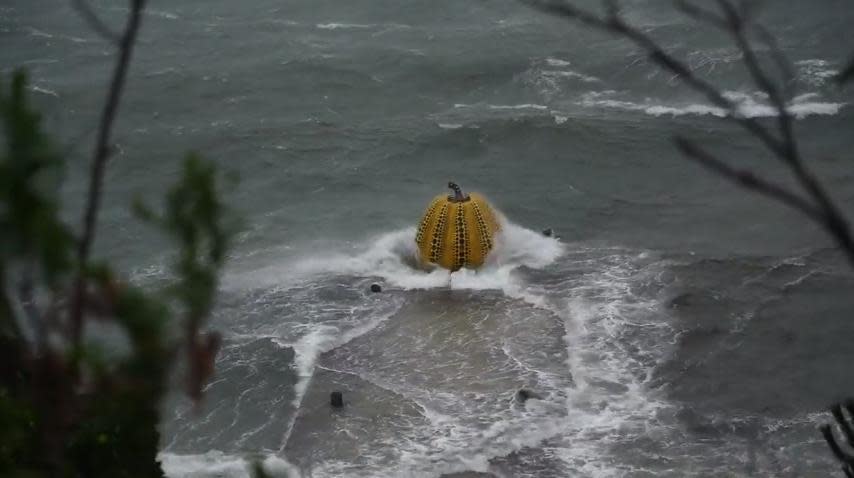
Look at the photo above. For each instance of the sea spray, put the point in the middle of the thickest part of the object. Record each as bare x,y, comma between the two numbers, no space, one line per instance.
392,256
223,465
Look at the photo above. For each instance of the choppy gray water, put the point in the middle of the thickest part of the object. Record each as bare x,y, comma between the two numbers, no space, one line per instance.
679,327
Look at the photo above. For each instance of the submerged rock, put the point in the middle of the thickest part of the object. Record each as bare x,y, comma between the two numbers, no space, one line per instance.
376,287
468,474
524,394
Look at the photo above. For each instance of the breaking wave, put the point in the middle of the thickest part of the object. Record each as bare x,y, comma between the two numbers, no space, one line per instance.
750,105
392,257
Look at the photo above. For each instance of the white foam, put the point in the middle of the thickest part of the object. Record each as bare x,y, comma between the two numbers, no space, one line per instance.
609,398
391,256
219,464
41,61
322,338
457,448
317,337
162,14
38,33
581,422
749,105
42,34
552,77
523,106
557,62
44,91
570,74
151,12
803,106
278,21
592,416
711,59
343,26
815,72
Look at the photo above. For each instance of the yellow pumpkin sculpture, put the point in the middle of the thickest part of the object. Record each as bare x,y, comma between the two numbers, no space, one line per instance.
457,231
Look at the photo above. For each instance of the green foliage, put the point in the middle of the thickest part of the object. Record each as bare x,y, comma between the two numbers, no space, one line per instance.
30,169
17,426
193,218
68,408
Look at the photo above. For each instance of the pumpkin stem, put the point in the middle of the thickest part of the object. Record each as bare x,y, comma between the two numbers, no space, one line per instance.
458,193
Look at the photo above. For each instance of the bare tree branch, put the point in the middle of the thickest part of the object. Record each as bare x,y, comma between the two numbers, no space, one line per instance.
26,298
9,326
780,59
723,23
100,156
736,25
847,73
834,222
701,14
737,21
747,179
842,455
737,28
95,23
656,53
842,421
783,145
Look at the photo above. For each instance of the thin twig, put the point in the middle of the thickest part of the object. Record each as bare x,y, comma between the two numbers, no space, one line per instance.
700,14
95,23
847,73
834,221
780,59
737,29
617,25
101,155
747,179
842,421
784,147
26,298
817,205
8,320
743,16
837,451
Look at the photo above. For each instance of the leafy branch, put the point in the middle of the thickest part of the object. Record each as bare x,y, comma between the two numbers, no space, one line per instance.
69,405
102,151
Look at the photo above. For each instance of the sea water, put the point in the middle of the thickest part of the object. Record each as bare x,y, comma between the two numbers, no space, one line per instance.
679,327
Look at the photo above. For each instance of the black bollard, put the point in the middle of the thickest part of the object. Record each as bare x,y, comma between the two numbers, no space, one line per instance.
336,399
376,287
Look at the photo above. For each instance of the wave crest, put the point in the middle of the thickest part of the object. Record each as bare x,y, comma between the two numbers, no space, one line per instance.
750,105
393,257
